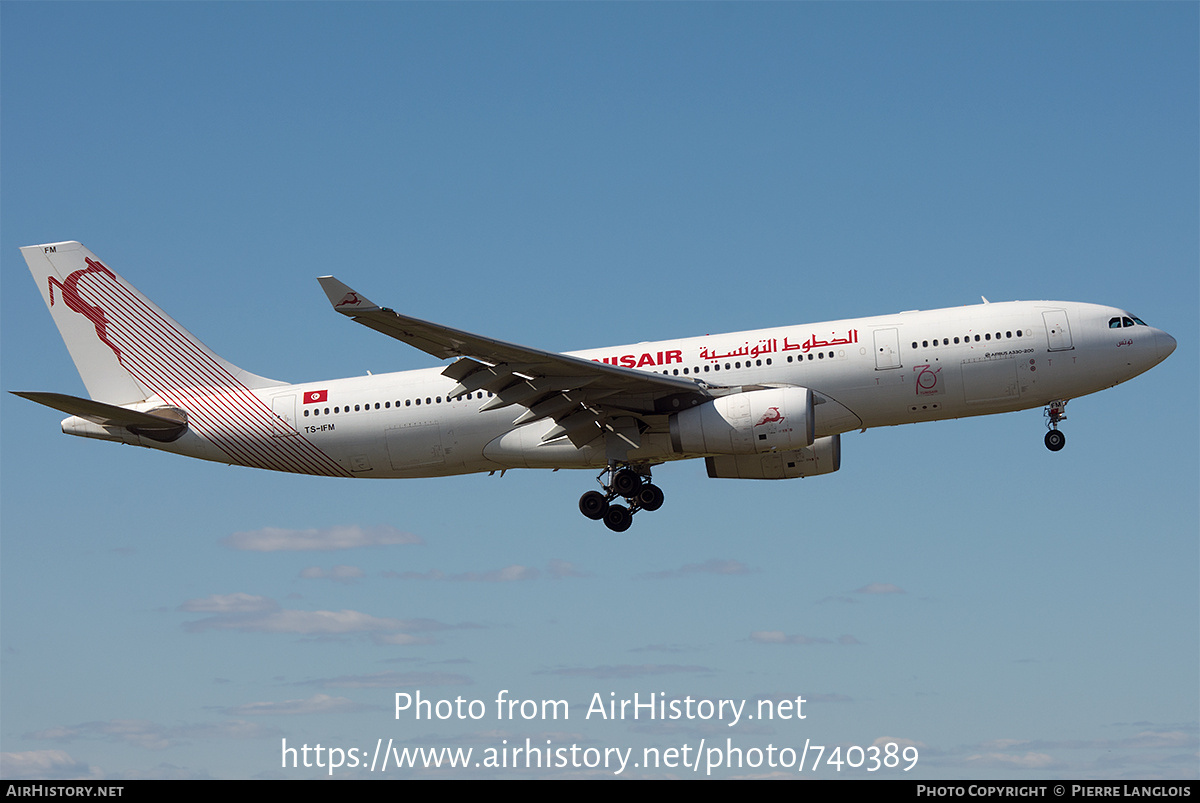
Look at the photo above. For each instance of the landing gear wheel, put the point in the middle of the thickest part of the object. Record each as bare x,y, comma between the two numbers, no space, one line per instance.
1055,440
650,497
618,518
593,505
626,482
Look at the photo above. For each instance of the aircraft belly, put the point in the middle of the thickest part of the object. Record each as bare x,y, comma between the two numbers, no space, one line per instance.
832,417
414,445
523,448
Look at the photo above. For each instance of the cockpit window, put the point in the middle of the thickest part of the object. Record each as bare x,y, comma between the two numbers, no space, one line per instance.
1125,321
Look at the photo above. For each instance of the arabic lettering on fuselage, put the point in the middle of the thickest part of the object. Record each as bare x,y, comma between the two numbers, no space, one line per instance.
771,346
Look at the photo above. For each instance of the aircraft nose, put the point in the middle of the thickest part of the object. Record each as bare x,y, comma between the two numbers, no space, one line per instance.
1164,344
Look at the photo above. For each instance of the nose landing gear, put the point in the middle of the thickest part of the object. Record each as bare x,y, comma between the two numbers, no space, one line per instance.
1054,413
631,484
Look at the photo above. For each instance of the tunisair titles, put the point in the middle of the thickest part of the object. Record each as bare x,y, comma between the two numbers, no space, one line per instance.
770,345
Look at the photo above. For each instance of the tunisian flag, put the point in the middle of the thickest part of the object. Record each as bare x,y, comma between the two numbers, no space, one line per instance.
314,396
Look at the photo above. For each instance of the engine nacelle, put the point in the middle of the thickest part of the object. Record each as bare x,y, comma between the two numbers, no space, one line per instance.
823,457
758,421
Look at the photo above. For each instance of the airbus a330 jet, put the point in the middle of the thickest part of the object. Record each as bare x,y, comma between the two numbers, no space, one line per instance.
763,404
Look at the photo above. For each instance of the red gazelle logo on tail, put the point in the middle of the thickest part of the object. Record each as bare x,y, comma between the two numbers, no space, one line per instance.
71,297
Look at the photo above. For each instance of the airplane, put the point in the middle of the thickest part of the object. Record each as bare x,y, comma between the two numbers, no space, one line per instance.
763,404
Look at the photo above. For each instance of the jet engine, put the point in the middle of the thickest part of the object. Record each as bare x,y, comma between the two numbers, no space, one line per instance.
823,457
747,423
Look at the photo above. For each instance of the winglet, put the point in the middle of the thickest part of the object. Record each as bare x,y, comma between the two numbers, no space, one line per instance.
343,299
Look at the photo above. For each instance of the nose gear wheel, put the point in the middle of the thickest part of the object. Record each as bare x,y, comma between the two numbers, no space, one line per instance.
1055,411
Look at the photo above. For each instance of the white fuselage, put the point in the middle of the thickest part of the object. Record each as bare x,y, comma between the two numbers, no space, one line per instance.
864,372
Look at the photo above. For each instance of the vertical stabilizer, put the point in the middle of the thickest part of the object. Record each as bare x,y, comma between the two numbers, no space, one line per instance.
125,348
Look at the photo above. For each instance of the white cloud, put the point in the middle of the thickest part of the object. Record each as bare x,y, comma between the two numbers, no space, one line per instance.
720,566
884,741
1028,761
277,539
387,680
560,569
152,735
340,574
306,623
626,671
880,588
779,637
515,573
229,603
47,765
317,704
250,614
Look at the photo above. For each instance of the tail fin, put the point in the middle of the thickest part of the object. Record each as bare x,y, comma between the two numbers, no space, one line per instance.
125,348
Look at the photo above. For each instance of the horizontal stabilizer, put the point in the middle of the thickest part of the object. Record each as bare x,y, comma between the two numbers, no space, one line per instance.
159,426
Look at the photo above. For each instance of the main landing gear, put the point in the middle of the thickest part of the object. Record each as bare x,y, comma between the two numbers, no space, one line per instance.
1054,413
633,485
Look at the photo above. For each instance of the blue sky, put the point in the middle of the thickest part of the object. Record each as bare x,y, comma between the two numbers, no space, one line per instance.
577,175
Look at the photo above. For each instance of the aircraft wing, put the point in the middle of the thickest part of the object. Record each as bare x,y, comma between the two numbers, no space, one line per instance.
583,397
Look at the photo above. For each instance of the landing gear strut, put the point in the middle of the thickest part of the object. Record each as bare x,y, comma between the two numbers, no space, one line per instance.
1054,413
630,483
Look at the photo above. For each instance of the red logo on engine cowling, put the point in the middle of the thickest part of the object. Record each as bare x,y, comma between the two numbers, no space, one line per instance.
771,416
